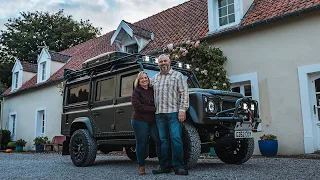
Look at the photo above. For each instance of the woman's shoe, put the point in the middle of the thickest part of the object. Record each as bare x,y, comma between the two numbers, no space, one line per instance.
142,170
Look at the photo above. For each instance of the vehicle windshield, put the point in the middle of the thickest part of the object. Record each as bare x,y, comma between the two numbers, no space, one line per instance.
191,81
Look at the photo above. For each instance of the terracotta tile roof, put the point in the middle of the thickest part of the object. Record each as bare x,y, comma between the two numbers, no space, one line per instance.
266,11
188,20
29,67
55,56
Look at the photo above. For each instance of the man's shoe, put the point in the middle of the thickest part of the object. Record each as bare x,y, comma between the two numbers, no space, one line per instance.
142,170
181,172
161,171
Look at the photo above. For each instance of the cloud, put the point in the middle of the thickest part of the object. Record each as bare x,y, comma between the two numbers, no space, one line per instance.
101,13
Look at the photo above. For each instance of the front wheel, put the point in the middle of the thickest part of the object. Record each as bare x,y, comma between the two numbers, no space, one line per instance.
237,152
83,148
191,145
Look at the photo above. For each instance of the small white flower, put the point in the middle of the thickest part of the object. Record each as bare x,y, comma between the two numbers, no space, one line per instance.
224,84
170,46
214,87
197,69
205,72
218,74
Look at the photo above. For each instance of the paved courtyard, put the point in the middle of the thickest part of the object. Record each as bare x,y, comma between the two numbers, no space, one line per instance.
55,166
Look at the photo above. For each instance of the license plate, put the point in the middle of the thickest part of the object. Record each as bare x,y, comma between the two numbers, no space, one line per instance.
243,134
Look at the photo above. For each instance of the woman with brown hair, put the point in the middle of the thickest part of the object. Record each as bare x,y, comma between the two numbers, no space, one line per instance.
143,119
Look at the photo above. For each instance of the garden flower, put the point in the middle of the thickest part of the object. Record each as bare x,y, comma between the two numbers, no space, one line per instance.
197,69
188,42
218,74
184,53
170,47
214,87
176,57
197,44
224,84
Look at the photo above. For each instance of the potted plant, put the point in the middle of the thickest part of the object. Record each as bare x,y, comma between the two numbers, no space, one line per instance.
20,143
268,145
5,138
11,145
39,143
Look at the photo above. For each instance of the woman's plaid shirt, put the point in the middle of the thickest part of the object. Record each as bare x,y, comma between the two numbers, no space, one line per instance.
170,92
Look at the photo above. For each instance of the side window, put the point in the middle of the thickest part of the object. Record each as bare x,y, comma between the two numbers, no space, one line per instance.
78,93
105,90
127,84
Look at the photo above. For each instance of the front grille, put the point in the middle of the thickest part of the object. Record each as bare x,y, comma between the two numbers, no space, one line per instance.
227,105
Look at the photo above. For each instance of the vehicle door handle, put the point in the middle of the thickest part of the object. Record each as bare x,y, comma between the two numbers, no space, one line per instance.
120,111
95,114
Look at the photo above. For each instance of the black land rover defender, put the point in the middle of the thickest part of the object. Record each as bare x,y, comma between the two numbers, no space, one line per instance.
97,113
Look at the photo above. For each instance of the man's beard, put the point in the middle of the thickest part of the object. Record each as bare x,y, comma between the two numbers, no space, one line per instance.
164,68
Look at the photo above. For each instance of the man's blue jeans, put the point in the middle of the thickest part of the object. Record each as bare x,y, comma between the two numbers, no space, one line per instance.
141,132
170,131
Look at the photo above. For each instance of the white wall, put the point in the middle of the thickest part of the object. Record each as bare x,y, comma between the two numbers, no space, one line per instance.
275,52
55,66
27,76
26,105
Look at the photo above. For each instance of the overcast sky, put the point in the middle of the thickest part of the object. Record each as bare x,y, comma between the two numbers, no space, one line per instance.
102,13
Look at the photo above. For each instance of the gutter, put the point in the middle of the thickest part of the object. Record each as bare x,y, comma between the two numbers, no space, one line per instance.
32,87
283,16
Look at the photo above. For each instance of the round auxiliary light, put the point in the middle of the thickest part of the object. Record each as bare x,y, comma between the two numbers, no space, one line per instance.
245,106
146,58
156,60
188,66
252,107
180,64
211,106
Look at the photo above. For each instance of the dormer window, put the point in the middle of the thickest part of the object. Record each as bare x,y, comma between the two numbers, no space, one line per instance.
133,48
226,12
131,38
16,80
43,71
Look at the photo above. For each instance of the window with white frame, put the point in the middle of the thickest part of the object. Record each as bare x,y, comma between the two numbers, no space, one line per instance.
16,80
243,88
226,12
43,71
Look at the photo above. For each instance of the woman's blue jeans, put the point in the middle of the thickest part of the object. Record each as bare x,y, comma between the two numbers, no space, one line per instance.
141,132
170,131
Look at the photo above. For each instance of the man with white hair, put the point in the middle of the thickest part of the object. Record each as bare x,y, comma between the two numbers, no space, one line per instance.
171,101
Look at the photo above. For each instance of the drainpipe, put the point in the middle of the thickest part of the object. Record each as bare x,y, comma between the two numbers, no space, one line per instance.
1,111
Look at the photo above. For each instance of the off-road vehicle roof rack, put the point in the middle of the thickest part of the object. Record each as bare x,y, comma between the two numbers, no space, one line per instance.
108,61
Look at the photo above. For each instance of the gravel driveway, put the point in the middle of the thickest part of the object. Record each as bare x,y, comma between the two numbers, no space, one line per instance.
54,166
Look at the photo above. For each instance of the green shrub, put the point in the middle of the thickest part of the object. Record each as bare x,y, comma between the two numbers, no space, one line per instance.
268,137
21,142
40,140
11,144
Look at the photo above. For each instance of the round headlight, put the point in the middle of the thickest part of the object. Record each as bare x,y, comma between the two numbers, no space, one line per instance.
211,106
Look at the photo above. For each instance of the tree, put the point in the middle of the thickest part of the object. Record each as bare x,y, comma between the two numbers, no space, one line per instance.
32,29
206,62
6,65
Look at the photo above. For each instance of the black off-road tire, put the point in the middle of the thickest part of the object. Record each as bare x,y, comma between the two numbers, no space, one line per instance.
236,153
131,153
191,145
83,148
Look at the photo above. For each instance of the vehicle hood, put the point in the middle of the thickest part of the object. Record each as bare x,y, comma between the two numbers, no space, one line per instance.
215,92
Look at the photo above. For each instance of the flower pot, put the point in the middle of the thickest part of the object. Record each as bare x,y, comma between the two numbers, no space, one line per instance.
212,152
19,148
39,148
268,147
